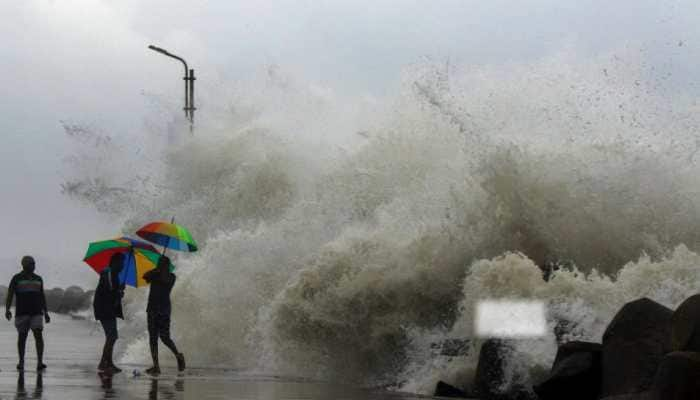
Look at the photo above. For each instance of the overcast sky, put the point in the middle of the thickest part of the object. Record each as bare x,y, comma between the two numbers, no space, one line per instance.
86,61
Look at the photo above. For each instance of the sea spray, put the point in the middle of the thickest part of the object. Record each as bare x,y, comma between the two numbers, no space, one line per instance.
341,237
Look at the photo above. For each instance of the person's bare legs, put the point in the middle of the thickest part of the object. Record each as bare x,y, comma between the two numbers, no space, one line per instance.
168,342
106,363
103,360
110,357
21,346
155,369
39,340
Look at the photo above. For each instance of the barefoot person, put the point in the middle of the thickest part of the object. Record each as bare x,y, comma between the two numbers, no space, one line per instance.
30,310
107,305
158,311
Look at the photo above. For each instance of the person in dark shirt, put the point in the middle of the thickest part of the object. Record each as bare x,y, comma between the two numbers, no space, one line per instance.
30,310
107,305
158,312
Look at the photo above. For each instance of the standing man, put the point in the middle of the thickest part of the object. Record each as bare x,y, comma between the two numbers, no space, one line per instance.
30,310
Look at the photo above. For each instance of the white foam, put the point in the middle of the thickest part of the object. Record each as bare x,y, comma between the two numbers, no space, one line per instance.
510,319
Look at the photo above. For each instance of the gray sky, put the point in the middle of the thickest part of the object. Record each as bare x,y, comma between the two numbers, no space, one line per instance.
86,61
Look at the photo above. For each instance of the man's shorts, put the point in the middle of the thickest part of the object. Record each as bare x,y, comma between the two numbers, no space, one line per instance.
24,323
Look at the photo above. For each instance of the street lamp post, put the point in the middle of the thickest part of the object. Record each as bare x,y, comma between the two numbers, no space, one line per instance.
189,85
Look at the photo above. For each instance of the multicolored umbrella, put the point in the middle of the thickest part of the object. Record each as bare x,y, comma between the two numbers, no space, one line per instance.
137,263
99,253
140,257
169,235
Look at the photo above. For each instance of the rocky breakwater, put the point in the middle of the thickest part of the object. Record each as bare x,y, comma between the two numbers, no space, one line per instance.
648,352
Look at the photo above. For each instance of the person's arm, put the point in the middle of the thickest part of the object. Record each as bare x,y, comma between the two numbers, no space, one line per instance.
43,304
150,275
121,287
117,290
8,299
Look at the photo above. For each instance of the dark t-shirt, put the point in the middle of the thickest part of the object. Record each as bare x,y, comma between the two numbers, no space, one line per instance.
159,294
29,292
107,302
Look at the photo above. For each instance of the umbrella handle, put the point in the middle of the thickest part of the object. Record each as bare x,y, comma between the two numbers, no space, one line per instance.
172,221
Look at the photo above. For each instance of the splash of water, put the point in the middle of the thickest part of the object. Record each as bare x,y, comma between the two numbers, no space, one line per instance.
341,236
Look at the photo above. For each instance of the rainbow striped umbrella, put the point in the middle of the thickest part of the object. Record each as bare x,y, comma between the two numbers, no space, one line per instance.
137,263
169,235
99,253
140,257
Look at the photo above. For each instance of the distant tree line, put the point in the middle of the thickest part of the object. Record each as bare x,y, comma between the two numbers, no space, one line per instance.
62,301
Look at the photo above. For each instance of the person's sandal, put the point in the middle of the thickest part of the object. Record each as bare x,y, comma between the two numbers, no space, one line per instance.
41,367
180,362
153,371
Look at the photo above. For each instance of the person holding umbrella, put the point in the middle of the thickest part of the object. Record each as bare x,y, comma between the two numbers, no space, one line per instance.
162,280
107,305
158,312
30,310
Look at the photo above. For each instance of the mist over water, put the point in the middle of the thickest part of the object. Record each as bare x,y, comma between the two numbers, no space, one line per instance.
340,236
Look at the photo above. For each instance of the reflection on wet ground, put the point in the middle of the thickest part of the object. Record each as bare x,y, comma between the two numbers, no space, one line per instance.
22,391
157,390
71,382
72,354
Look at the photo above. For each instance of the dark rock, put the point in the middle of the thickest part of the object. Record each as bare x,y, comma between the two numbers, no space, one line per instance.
569,348
575,374
634,344
490,379
445,390
646,395
685,326
678,377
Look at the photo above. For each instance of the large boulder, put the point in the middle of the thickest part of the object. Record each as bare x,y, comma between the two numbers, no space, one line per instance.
678,377
446,390
634,344
575,375
685,326
491,380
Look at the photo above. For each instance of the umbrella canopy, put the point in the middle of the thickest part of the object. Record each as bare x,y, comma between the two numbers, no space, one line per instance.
139,257
168,235
137,263
99,253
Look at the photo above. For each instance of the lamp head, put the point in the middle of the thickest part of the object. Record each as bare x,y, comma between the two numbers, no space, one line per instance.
158,49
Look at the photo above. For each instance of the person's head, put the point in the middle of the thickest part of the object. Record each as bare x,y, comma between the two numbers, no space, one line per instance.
163,264
116,262
28,263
